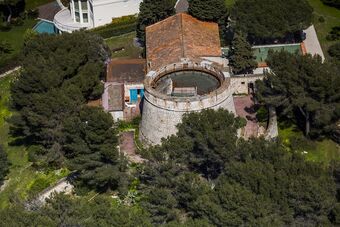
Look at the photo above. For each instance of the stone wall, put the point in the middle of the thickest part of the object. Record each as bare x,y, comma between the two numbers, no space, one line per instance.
161,113
240,84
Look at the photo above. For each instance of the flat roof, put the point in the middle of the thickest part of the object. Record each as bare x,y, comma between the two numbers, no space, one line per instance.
126,71
181,36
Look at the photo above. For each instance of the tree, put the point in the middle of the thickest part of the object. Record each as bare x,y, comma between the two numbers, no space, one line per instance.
152,11
12,7
304,88
204,141
241,57
271,19
60,74
91,149
3,164
209,10
334,51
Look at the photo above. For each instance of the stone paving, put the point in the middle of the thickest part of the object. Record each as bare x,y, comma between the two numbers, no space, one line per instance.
244,106
312,43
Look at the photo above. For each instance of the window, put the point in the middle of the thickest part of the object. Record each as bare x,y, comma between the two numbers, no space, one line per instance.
85,18
83,5
77,16
76,6
243,82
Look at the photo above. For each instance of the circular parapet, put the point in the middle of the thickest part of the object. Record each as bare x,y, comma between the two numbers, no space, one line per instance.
163,108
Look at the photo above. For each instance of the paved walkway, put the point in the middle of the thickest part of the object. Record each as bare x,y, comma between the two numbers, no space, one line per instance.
9,72
244,106
128,147
312,43
182,6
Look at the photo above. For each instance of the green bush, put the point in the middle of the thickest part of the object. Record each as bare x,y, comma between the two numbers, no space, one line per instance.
334,34
262,114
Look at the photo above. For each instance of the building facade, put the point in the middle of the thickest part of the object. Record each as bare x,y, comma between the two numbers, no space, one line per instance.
86,14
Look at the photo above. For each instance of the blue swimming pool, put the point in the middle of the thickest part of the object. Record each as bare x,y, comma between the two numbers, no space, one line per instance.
45,27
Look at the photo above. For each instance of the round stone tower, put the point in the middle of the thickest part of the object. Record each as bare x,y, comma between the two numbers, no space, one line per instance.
177,89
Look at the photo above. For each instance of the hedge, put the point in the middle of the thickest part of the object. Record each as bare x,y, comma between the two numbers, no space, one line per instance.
119,26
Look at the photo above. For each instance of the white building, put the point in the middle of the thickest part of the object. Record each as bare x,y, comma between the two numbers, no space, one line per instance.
86,14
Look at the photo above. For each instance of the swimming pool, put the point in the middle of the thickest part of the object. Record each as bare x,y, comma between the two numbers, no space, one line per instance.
45,27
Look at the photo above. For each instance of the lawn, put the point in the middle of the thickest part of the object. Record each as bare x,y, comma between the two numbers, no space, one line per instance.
122,46
332,19
229,3
23,180
15,36
322,151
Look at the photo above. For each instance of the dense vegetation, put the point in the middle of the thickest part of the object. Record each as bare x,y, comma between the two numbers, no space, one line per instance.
209,10
265,20
3,164
241,57
305,89
205,176
60,75
152,11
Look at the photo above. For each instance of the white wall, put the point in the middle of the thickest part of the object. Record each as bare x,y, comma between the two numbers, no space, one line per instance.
105,10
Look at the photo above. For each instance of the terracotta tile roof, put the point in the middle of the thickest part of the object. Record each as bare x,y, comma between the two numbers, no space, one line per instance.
126,71
180,36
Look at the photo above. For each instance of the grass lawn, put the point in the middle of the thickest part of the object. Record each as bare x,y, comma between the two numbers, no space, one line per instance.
126,42
23,180
332,19
318,151
15,37
229,3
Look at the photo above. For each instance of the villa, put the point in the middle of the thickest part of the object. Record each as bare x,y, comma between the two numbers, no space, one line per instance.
87,14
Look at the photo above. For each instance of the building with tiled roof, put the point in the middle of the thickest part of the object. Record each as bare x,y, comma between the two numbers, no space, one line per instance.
178,37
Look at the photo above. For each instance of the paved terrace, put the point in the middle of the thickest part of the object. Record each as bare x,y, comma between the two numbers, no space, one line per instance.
245,108
312,43
64,22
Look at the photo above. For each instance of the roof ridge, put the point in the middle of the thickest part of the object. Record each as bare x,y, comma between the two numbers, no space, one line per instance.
182,35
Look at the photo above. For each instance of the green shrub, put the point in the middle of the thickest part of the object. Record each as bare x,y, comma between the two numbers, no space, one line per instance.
262,114
321,19
334,34
334,51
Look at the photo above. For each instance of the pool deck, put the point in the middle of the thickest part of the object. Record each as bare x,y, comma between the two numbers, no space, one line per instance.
312,43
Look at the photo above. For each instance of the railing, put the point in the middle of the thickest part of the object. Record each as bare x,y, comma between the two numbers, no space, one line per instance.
64,26
187,67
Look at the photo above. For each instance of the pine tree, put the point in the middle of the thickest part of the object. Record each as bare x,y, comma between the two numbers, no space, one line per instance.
241,58
208,10
152,11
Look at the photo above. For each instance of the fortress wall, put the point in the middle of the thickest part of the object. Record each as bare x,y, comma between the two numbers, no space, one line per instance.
160,116
239,84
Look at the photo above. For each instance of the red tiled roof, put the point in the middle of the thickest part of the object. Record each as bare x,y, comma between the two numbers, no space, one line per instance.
180,36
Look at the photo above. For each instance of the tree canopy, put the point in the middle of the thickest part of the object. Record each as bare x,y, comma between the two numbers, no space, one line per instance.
205,173
208,10
152,11
271,19
305,89
241,57
60,74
